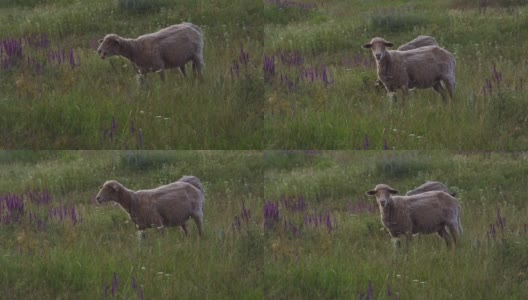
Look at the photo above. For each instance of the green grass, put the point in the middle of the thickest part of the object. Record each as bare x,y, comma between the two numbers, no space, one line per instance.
60,107
310,115
63,260
315,263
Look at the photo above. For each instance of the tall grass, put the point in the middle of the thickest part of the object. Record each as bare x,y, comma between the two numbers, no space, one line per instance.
83,102
307,114
344,253
50,254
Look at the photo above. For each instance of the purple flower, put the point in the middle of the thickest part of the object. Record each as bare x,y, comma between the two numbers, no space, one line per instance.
140,137
114,285
134,286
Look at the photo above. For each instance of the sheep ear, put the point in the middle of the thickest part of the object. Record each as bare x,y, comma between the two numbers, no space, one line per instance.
388,44
100,41
116,186
371,193
393,192
367,46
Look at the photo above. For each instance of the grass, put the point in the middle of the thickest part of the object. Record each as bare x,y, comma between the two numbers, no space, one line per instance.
99,256
488,112
348,256
82,102
278,224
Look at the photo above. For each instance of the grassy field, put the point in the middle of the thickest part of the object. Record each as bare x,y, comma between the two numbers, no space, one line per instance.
56,93
57,243
278,225
319,81
324,237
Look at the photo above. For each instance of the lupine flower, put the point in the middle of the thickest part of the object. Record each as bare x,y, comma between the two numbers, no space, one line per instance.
140,137
114,285
134,286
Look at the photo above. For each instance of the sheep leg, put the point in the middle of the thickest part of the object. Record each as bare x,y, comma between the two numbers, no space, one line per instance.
198,219
405,92
443,234
161,75
184,227
198,66
453,229
450,85
182,70
437,87
396,243
140,79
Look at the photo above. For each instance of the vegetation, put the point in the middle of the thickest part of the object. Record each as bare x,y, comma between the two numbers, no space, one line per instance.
58,94
319,81
324,237
57,243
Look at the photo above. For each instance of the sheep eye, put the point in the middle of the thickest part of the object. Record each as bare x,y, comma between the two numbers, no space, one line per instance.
101,187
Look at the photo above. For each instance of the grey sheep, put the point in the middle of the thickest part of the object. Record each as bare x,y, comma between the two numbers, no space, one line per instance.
171,47
424,213
425,67
420,41
430,186
168,205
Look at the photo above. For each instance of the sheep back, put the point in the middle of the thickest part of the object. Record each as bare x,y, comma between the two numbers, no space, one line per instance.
424,66
173,204
428,186
420,41
432,211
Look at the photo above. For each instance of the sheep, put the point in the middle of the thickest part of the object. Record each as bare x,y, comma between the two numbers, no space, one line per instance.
430,186
195,181
422,68
418,42
168,205
171,47
424,213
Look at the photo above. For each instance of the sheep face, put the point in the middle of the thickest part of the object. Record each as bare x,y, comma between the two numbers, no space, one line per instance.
378,47
109,191
109,46
383,194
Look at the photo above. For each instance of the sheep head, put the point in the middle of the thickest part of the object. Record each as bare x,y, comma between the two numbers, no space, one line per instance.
383,194
378,46
109,46
109,191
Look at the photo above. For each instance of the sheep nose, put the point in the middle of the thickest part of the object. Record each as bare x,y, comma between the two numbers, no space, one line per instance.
378,56
383,202
98,198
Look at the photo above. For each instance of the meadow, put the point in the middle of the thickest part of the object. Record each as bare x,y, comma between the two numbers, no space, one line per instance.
57,243
278,225
56,93
319,81
324,238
